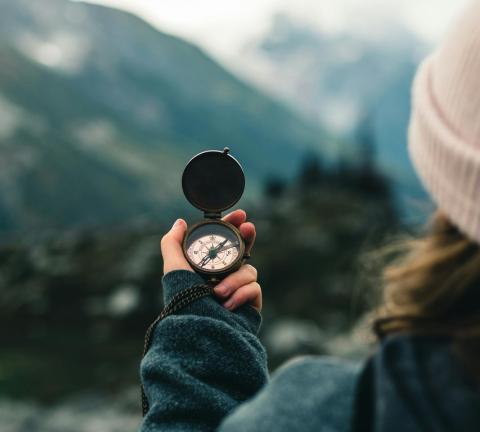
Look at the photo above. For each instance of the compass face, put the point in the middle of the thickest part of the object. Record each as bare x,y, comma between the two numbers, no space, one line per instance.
213,247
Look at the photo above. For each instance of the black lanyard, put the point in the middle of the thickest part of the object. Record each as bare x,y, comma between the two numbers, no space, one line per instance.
179,301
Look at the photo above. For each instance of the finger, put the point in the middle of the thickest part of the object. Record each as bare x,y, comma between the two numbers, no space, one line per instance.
251,293
236,217
171,247
231,283
248,232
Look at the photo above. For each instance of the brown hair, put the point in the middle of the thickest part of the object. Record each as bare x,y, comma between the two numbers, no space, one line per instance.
433,287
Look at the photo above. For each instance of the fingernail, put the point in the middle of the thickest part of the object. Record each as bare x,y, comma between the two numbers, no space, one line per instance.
221,290
176,223
228,304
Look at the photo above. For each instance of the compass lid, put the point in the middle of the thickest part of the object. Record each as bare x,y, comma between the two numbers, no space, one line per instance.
213,181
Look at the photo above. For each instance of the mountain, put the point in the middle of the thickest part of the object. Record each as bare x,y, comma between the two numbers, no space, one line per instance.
99,112
347,82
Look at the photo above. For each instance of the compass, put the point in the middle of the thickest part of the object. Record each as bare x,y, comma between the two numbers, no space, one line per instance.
213,181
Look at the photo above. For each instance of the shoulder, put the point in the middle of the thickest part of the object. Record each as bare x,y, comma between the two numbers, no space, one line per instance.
311,368
405,382
404,354
314,393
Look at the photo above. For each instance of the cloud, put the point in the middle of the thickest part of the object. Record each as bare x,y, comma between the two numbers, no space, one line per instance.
223,26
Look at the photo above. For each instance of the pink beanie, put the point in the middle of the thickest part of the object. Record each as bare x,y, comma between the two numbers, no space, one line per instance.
444,132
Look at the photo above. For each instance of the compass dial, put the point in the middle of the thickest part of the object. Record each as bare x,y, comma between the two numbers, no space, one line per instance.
213,252
213,247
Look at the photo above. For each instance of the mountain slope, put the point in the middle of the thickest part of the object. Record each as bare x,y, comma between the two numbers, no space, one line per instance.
101,112
342,80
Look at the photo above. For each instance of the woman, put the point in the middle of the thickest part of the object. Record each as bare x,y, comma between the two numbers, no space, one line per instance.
206,369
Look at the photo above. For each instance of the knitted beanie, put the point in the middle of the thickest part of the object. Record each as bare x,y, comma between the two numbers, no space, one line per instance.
444,132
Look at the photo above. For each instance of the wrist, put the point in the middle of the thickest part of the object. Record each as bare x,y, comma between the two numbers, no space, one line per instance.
177,280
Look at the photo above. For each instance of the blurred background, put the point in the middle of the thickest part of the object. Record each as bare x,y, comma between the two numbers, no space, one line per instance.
101,107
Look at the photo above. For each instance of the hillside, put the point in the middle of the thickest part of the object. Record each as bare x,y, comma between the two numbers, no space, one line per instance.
100,112
346,81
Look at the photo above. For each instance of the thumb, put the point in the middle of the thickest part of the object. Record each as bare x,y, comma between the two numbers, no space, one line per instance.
171,247
178,230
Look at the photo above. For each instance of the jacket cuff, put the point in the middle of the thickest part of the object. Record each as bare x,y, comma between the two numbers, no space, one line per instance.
177,280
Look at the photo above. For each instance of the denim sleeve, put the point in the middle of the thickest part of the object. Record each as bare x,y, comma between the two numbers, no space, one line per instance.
203,362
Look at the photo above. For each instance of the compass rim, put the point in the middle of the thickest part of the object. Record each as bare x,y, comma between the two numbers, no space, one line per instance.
231,266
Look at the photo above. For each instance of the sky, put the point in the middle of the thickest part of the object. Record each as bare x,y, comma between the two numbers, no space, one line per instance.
223,26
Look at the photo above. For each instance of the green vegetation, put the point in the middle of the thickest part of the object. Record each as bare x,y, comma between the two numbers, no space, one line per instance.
104,143
75,305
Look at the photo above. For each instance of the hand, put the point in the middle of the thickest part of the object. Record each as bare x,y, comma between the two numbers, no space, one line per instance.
239,287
